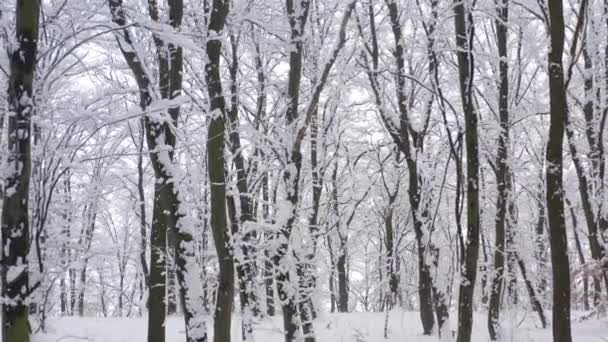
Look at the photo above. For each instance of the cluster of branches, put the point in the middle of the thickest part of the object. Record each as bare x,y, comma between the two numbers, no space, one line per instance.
354,155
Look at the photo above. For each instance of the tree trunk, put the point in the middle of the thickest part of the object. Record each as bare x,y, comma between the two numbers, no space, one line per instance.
596,156
170,271
540,249
268,267
555,191
581,257
342,277
332,275
297,15
217,179
142,206
245,270
464,27
165,215
83,287
402,136
15,221
503,173
536,306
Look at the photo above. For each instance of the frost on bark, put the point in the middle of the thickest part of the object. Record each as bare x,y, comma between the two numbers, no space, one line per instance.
246,271
217,179
15,222
167,216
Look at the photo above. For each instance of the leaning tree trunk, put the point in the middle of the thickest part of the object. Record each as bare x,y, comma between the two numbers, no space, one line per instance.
410,143
554,172
581,256
15,221
165,212
463,21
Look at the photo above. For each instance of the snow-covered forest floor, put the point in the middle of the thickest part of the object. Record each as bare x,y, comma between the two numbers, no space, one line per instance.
351,327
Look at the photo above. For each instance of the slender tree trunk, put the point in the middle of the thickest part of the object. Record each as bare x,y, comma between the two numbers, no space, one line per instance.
581,256
465,33
216,166
503,173
268,267
596,155
297,15
244,267
484,270
534,301
410,143
342,278
142,206
332,276
83,287
266,201
15,220
555,191
540,250
165,215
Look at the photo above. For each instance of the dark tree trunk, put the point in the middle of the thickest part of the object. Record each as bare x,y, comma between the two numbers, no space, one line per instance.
342,278
404,137
534,301
261,114
156,297
268,267
581,256
170,271
554,172
464,27
245,270
484,270
15,221
332,276
217,179
503,173
596,155
165,200
73,288
297,16
142,206
340,263
540,250
291,175
83,286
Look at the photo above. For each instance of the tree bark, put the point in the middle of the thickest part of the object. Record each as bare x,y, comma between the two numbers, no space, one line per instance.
15,221
464,27
503,172
216,165
245,270
297,13
165,214
410,143
554,171
534,301
581,257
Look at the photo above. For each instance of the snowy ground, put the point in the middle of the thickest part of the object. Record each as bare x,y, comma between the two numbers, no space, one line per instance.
353,327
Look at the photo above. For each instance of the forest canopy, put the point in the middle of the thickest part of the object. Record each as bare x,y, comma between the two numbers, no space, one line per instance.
249,168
